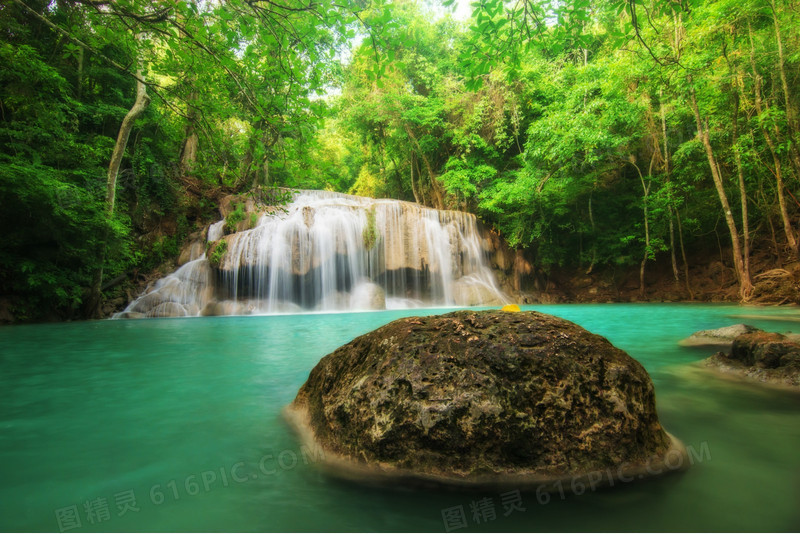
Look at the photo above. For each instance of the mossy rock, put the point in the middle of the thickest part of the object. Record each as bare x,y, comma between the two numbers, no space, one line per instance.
215,252
483,398
766,357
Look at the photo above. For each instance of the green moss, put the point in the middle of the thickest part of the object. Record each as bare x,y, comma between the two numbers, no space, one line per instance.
370,233
253,220
234,218
216,251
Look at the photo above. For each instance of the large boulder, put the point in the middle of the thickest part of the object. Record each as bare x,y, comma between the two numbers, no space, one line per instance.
484,398
719,337
765,357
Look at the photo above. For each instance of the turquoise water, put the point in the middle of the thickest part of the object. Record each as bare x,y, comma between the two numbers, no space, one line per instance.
174,425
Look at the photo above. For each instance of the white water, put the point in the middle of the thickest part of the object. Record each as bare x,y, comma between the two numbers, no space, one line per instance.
315,257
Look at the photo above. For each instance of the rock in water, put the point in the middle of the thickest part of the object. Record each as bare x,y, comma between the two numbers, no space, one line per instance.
484,398
719,337
765,357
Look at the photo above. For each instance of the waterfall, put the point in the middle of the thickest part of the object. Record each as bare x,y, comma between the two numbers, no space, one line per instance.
330,251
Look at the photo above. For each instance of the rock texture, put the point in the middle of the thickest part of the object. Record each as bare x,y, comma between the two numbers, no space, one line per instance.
482,398
368,296
191,251
761,356
720,337
467,291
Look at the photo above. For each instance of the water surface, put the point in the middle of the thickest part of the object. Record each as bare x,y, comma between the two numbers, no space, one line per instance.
174,425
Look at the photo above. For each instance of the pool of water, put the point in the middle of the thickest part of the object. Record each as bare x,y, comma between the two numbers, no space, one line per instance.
175,425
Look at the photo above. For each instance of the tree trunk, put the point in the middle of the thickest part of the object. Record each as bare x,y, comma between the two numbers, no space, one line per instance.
189,153
79,81
413,185
142,100
678,35
265,168
791,115
436,191
594,243
791,238
683,255
673,258
247,163
745,286
663,114
190,141
742,195
438,194
645,199
92,304
244,179
768,208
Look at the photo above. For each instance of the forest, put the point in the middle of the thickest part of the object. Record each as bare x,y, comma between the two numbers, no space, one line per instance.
594,135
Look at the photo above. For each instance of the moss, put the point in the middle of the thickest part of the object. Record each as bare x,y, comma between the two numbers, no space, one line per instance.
370,233
253,220
541,393
234,218
216,251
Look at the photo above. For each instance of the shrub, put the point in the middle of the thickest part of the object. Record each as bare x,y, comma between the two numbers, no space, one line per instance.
234,218
216,251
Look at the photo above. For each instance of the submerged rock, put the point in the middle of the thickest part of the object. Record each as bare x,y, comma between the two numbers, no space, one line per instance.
761,356
484,398
720,337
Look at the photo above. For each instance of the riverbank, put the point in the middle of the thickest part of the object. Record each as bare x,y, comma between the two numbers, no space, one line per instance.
775,282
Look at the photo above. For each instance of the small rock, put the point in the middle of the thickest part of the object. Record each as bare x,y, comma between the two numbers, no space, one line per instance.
720,337
765,357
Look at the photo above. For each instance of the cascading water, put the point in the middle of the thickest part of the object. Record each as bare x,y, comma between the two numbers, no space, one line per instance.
330,251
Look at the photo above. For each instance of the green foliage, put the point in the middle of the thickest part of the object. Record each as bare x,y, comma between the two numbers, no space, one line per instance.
233,75
234,218
216,251
368,184
546,120
161,250
568,126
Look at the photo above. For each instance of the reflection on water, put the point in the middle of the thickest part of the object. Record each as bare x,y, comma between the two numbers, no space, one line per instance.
175,425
